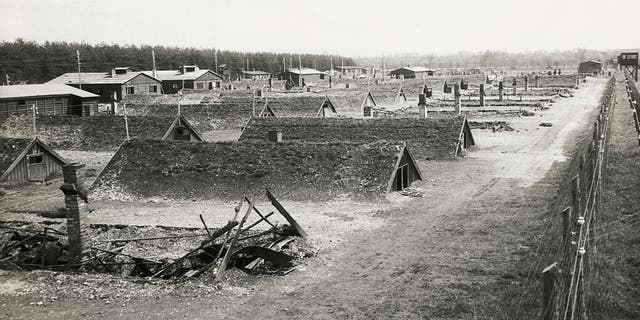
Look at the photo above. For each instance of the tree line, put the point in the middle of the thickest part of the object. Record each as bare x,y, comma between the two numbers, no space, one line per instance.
33,62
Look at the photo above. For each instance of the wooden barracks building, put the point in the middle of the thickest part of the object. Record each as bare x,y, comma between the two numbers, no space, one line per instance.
187,77
49,99
120,82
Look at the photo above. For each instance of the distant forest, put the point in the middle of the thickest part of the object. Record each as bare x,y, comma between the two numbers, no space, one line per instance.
497,59
35,62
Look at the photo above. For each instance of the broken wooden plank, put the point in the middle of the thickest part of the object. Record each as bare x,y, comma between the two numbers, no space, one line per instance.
275,257
214,236
227,256
286,215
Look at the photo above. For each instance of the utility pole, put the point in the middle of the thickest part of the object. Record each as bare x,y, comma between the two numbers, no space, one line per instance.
179,99
126,121
153,57
300,71
247,69
79,78
284,64
215,60
35,111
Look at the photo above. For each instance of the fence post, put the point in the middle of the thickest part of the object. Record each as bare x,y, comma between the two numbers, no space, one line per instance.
548,288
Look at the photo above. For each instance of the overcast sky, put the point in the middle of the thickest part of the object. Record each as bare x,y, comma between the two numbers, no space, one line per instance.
349,27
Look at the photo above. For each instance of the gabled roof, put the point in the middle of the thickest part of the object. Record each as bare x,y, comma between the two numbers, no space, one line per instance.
304,71
12,150
256,72
400,97
414,69
98,78
430,138
368,100
39,90
301,106
182,121
228,170
351,68
169,75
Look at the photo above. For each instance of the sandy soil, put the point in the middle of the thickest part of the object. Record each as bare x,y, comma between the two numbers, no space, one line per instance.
449,255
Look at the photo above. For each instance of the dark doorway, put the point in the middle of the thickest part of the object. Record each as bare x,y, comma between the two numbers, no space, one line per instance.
402,177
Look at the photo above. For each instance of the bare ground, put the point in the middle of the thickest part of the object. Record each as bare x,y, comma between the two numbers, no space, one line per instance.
454,254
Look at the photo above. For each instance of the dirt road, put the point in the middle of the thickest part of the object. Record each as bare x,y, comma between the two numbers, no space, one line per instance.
454,254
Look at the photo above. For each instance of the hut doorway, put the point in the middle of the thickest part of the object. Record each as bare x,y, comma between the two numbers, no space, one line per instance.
36,170
402,177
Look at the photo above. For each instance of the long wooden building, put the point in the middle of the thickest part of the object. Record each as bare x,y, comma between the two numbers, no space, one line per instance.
30,160
48,99
118,83
187,77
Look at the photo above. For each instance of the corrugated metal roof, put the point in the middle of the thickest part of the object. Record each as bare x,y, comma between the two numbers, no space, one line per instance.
37,90
96,77
178,75
304,71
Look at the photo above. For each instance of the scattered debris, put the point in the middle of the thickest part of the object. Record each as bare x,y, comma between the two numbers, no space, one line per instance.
546,124
412,192
271,251
527,113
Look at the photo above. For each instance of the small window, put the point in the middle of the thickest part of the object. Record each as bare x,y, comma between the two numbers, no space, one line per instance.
175,86
130,90
181,133
367,111
153,89
22,102
199,85
35,159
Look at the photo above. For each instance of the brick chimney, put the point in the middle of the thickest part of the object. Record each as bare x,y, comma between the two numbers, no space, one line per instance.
72,191
422,105
275,136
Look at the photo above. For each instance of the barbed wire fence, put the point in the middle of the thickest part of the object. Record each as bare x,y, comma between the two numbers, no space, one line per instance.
566,281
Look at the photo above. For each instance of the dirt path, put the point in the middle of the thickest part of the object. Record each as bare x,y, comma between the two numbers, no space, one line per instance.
449,255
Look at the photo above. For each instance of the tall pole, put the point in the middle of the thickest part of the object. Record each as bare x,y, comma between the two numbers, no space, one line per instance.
153,57
284,64
34,108
300,71
215,60
331,65
247,69
79,78
126,121
179,99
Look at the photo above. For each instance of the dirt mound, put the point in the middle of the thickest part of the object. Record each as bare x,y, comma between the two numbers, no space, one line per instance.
301,171
430,138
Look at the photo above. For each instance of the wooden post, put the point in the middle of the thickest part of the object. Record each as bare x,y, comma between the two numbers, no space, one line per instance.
515,86
576,194
566,225
482,94
548,287
35,132
126,121
500,88
526,83
537,79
